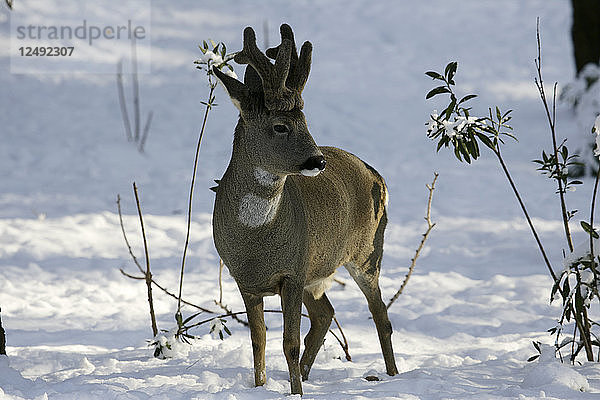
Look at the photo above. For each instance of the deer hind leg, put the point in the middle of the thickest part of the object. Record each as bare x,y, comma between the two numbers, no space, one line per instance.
256,320
365,272
320,312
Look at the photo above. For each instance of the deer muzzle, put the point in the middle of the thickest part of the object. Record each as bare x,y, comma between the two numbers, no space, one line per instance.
313,166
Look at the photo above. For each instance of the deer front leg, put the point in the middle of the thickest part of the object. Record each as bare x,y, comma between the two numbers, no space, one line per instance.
256,320
291,305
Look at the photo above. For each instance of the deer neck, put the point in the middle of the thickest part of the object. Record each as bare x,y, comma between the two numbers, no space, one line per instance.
255,194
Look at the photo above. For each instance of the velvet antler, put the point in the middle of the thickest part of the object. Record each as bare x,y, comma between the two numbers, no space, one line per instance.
299,66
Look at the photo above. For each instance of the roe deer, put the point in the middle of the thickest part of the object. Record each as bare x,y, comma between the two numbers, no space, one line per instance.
282,222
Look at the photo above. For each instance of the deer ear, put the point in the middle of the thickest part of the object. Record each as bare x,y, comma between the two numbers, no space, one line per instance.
237,91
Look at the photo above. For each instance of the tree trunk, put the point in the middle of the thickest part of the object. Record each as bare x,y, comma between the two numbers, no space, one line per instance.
2,337
585,32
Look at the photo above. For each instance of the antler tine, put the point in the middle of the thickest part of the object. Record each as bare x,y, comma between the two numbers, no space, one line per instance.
299,66
250,54
302,70
277,96
286,33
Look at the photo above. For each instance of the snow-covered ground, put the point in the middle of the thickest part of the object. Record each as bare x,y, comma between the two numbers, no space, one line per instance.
77,329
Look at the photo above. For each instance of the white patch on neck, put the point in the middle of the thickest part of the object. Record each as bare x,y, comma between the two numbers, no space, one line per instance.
265,178
311,172
255,211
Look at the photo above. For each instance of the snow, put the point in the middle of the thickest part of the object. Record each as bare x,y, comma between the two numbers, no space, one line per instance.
549,372
78,329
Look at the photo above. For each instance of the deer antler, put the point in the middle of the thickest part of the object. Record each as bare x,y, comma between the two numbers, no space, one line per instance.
283,82
299,66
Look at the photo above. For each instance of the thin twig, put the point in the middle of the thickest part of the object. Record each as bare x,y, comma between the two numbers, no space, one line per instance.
145,132
166,291
343,344
430,226
225,308
189,214
220,303
2,337
339,282
135,260
139,278
533,231
136,91
592,211
220,280
122,102
552,122
147,274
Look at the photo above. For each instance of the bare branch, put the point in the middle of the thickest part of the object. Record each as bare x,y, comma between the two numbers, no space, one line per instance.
220,303
136,91
148,274
430,226
339,282
209,105
343,343
2,337
220,280
166,291
145,132
527,217
122,102
139,278
539,82
125,236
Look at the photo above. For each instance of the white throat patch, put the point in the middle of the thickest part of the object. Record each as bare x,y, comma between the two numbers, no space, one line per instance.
265,178
256,211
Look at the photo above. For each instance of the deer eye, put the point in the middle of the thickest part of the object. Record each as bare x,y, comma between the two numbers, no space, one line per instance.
280,129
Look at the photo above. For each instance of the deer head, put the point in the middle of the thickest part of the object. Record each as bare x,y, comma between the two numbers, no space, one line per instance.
272,133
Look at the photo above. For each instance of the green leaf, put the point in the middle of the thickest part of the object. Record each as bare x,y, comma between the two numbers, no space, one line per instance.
457,153
436,91
566,287
450,71
467,98
590,231
191,317
486,141
434,75
464,151
554,290
450,109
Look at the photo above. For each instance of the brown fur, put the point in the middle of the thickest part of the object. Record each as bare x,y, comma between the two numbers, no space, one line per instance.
282,233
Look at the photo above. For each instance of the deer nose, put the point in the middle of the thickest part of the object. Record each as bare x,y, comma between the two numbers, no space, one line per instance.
313,166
